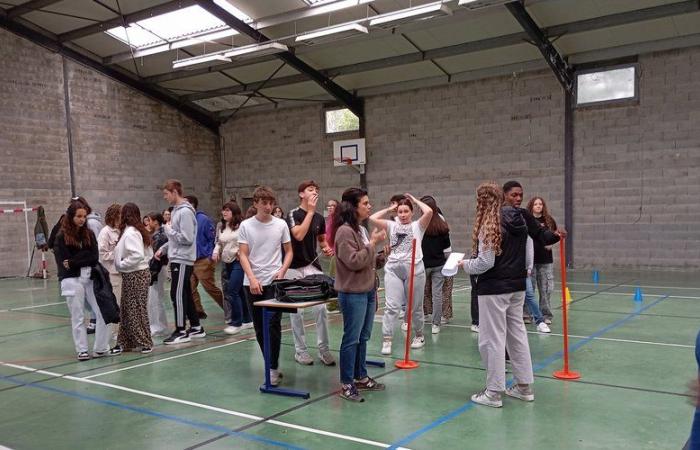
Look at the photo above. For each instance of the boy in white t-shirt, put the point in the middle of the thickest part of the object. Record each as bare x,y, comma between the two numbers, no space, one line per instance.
260,240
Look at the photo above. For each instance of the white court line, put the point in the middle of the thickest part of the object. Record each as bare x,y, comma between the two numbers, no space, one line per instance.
203,406
629,294
32,307
663,344
156,361
184,354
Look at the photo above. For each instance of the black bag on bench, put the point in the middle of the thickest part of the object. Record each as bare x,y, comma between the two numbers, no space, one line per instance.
307,289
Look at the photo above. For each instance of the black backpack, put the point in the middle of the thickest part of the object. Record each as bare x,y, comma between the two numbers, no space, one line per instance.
313,287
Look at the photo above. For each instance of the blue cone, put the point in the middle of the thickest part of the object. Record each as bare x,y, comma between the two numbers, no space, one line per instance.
638,296
596,277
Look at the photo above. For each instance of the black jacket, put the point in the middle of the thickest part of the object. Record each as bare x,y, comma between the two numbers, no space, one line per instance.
508,272
434,249
539,234
77,256
155,265
104,294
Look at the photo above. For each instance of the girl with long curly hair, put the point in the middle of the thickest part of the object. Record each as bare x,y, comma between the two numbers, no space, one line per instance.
75,249
131,258
543,272
499,240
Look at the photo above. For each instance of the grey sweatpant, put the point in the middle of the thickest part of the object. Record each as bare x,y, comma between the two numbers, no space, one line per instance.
501,327
396,283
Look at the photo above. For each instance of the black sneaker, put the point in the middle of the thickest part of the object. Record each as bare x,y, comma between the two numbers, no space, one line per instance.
196,333
91,326
146,350
116,350
349,392
178,337
83,356
369,385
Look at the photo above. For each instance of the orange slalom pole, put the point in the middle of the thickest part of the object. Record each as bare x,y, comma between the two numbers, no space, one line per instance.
565,374
407,363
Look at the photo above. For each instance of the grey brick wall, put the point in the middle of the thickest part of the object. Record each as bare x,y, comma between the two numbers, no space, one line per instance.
445,140
441,141
280,149
638,168
125,144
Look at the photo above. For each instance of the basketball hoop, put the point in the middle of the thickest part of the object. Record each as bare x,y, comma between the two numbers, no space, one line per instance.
348,162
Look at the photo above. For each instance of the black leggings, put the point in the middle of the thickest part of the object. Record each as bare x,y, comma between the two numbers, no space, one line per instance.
275,323
475,301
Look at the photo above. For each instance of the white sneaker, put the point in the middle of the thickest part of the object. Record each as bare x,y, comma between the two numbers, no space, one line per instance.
247,325
474,328
402,314
525,394
386,347
275,377
487,398
418,342
436,329
428,318
543,328
232,330
444,320
404,327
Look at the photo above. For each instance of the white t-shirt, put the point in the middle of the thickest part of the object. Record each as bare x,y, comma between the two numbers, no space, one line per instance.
401,238
264,241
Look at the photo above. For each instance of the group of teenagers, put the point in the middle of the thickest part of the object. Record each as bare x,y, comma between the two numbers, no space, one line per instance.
511,253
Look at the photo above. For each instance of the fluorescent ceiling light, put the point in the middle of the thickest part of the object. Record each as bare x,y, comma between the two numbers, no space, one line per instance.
322,7
411,13
256,50
199,60
332,30
477,4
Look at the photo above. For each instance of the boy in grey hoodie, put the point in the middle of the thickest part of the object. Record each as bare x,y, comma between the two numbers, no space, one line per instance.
181,249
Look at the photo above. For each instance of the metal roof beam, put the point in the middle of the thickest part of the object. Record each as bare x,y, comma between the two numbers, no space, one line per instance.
353,103
558,65
28,7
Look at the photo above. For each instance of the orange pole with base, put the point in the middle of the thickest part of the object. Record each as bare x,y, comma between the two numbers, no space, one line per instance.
407,363
565,374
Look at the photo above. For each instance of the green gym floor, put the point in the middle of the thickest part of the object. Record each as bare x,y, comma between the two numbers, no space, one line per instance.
635,360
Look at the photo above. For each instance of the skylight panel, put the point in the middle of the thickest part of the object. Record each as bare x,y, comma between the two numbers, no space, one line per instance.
173,26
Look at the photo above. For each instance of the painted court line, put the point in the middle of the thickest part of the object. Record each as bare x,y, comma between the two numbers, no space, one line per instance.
169,358
150,412
31,307
629,341
198,405
252,338
536,367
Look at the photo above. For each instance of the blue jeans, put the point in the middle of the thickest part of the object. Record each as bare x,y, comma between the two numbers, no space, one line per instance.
531,303
239,307
358,317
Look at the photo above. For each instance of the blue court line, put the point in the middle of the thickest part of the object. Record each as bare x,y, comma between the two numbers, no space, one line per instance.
152,413
535,368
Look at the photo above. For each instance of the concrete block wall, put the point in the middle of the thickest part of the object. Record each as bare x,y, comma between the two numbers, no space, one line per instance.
124,144
445,140
442,141
638,171
280,149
